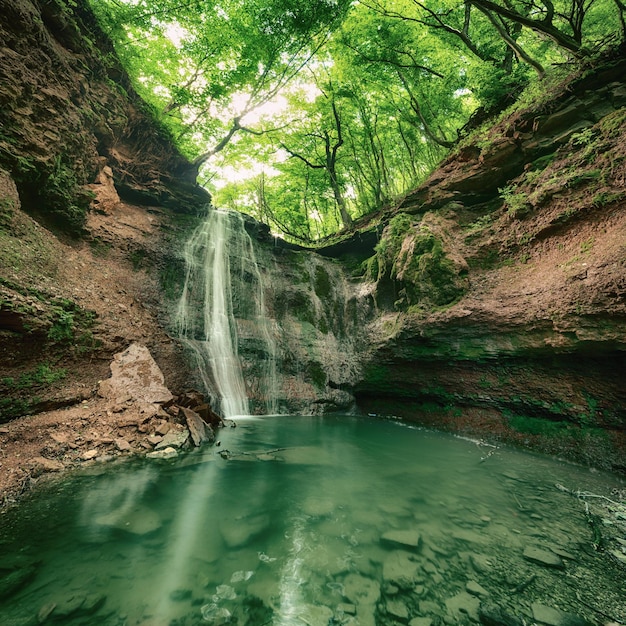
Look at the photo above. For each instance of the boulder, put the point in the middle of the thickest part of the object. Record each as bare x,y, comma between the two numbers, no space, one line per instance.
135,376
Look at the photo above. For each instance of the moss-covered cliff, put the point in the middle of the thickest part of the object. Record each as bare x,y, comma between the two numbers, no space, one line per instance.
501,281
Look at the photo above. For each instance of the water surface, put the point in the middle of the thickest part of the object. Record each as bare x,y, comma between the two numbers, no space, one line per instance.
311,520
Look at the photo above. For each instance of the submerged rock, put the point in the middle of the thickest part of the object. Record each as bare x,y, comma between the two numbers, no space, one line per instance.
241,531
402,538
543,557
554,617
315,615
463,604
492,615
139,521
400,568
11,581
361,590
475,589
397,609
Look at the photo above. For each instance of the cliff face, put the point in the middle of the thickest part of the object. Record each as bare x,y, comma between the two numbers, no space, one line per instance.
501,281
67,110
93,195
492,299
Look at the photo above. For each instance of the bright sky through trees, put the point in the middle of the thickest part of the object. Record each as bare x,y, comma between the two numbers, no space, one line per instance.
310,113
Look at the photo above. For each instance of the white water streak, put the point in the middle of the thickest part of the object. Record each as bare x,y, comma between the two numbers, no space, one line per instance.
223,276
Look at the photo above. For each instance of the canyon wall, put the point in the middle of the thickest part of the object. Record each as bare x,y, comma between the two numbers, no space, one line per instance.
501,281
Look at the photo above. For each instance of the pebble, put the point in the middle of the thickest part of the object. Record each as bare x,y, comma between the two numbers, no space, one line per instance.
89,454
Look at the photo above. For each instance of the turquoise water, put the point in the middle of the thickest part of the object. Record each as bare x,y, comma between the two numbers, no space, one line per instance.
311,520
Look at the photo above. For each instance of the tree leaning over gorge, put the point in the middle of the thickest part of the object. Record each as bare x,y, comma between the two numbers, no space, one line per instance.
310,114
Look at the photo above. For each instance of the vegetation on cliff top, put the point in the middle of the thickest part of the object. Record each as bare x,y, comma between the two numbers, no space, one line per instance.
310,114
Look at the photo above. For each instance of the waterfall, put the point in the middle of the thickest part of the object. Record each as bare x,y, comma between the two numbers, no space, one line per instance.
223,289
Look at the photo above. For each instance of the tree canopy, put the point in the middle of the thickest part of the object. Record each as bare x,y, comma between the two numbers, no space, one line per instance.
310,113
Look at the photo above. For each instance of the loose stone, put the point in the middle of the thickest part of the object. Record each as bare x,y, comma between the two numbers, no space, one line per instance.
543,557
476,589
553,617
165,453
492,615
90,454
463,604
173,440
122,445
402,538
398,610
50,465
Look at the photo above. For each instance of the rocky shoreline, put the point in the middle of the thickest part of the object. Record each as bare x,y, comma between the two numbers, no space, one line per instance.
131,413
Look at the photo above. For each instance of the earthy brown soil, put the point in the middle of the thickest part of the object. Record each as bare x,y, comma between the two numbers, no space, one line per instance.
99,276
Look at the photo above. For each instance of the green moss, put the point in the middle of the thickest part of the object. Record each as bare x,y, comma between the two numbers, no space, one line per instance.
537,426
413,257
99,247
172,279
18,397
139,259
612,125
317,374
10,408
7,207
42,375
55,191
323,284
377,375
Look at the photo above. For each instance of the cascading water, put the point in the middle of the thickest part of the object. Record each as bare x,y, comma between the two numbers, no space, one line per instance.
223,286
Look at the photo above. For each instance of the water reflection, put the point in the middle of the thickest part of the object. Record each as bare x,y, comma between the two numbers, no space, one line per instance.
312,521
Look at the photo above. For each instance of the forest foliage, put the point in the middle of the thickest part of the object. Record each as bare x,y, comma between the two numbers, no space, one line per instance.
308,114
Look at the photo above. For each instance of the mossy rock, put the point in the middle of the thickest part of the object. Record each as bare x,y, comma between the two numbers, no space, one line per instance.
413,256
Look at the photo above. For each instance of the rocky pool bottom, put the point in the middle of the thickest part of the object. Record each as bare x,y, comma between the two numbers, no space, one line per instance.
317,521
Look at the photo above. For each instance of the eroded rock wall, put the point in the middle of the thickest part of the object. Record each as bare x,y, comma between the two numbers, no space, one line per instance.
529,345
67,110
